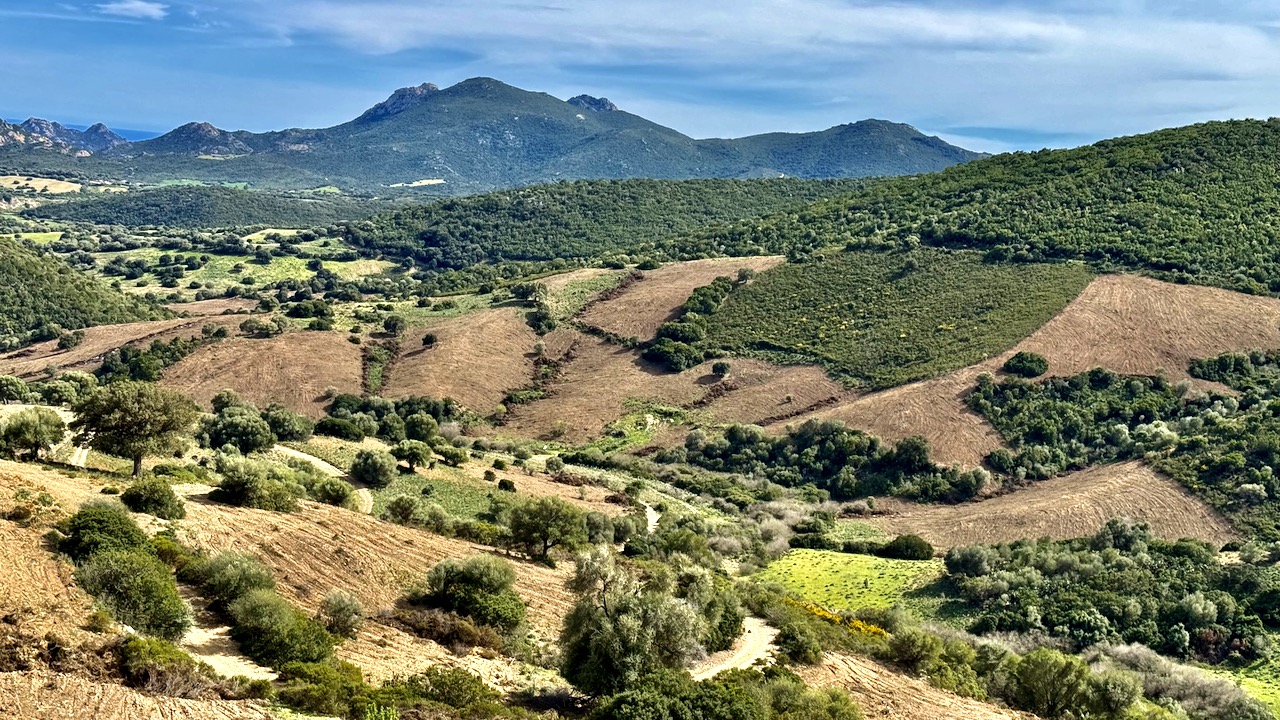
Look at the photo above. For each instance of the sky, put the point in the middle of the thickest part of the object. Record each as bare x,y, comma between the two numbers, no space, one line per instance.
988,75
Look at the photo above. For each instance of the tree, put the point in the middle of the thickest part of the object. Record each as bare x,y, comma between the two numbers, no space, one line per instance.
1027,364
421,426
288,425
620,632
1051,684
395,325
34,430
133,420
373,468
544,524
720,368
412,452
238,426
12,389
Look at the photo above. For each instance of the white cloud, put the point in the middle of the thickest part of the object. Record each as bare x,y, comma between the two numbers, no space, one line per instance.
140,9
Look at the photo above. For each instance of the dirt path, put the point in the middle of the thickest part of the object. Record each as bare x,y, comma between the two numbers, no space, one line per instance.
80,457
364,500
652,516
755,643
209,640
299,455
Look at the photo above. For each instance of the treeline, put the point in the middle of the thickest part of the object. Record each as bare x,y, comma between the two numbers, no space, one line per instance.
40,296
208,206
1196,204
575,220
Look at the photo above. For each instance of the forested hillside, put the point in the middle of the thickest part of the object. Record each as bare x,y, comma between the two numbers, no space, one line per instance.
1197,204
38,292
576,219
200,206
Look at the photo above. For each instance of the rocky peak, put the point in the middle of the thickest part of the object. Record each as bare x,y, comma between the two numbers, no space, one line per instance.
594,104
400,100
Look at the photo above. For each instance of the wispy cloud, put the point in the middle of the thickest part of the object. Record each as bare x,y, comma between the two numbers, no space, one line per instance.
139,9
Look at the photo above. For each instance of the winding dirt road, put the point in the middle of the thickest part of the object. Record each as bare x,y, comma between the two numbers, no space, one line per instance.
755,643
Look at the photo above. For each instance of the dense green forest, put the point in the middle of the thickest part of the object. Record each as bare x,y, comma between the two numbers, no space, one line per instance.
203,206
1194,204
885,318
575,220
41,295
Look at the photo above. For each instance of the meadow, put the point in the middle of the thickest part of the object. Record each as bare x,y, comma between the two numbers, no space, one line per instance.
842,581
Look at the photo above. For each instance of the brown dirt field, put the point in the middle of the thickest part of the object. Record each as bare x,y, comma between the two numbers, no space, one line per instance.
293,369
647,304
559,282
1071,506
478,358
882,693
760,390
100,340
216,306
45,695
322,547
1124,323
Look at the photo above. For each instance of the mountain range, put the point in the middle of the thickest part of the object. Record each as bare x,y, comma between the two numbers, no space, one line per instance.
478,134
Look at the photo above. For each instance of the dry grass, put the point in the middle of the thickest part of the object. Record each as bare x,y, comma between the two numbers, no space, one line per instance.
293,369
38,184
216,306
1071,506
477,359
883,693
644,306
49,696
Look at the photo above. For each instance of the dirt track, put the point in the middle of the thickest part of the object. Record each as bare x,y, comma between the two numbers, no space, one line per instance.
47,696
755,643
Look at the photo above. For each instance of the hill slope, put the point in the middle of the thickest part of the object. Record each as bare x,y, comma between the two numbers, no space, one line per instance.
205,207
36,290
481,134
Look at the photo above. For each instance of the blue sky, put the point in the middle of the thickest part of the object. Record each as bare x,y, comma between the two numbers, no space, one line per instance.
988,75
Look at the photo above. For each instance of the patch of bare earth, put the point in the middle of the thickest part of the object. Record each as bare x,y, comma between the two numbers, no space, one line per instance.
478,357
756,643
653,300
100,340
293,369
209,641
1124,323
882,693
48,696
321,547
1070,506
216,306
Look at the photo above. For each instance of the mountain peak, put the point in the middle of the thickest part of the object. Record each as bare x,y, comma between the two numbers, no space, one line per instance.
594,104
95,139
400,100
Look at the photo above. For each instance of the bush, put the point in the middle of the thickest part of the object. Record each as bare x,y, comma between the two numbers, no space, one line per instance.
1051,684
324,688
153,496
342,613
274,633
101,526
403,510
342,429
720,368
255,484
287,425
373,468
139,591
914,649
907,547
238,426
229,576
1027,364
799,644
161,668
452,456
479,588
506,485
555,465
448,628
331,491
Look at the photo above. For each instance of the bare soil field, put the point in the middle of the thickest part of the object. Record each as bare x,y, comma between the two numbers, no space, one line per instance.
1124,323
1071,506
45,695
477,359
100,340
647,304
293,369
216,306
556,283
882,693
758,391
36,588
322,547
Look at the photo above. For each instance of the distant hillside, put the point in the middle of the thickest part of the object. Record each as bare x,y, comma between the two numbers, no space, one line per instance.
43,134
482,134
1198,204
208,206
38,290
576,220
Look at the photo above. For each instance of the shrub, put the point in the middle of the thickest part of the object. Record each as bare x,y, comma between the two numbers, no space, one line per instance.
506,485
238,426
799,644
479,587
555,465
403,510
1027,364
373,468
720,368
101,526
255,484
907,547
331,491
452,456
139,591
228,576
342,613
915,649
274,633
342,429
324,688
287,425
447,628
1050,684
153,496
161,668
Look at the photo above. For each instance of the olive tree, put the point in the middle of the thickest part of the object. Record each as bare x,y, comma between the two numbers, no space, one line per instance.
133,420
34,430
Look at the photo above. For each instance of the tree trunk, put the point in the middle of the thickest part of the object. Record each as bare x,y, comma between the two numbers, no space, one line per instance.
137,465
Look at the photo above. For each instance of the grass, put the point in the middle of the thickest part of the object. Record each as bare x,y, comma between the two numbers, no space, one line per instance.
37,184
570,299
338,453
1260,680
459,495
856,530
40,237
344,314
637,427
220,270
840,581
881,319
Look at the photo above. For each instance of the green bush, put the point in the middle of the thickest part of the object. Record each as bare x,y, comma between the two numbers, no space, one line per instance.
907,547
1027,364
228,576
479,587
799,644
274,633
238,426
287,425
447,628
915,649
331,491
257,484
342,613
156,666
332,687
139,591
373,468
342,429
153,496
101,526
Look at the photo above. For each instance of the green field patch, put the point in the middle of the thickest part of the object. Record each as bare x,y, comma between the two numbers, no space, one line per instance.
569,300
1260,680
842,581
344,315
881,319
40,237
459,495
856,530
222,270
636,428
